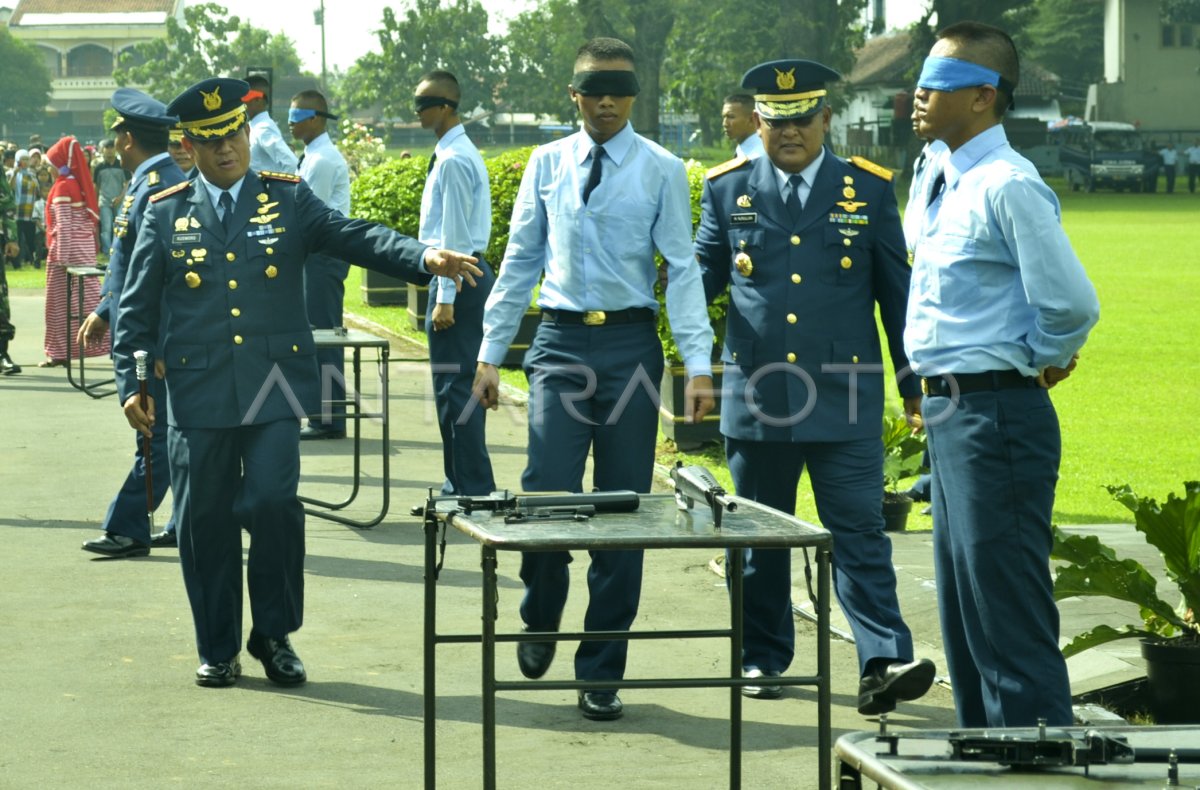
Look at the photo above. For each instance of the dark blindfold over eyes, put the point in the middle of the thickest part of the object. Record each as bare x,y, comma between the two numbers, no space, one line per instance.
426,102
605,83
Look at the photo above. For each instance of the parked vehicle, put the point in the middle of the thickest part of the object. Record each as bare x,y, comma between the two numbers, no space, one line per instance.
1106,155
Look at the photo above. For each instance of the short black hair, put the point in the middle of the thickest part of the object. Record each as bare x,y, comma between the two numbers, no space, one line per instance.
151,139
446,82
744,99
991,47
312,96
107,142
606,49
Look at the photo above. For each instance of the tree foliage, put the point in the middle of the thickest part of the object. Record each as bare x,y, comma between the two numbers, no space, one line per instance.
431,34
26,81
1180,11
539,53
1067,37
209,43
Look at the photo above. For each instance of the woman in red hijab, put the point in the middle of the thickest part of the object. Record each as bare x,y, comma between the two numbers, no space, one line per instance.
71,221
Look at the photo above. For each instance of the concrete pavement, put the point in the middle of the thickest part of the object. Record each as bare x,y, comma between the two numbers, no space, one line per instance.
97,656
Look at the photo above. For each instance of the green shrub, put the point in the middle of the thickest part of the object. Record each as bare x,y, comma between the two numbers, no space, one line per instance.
390,194
504,177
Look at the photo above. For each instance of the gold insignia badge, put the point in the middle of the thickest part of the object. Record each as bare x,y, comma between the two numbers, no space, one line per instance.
847,263
910,257
848,180
850,205
200,254
743,264
261,197
154,178
192,279
741,244
271,271
847,232
212,101
263,209
264,218
177,253
181,224
743,201
785,80
849,192
128,200
193,222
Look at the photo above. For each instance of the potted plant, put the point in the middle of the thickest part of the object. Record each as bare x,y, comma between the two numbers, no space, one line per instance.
1170,634
903,456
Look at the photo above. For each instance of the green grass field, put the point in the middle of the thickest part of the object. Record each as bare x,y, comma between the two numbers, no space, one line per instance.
1127,411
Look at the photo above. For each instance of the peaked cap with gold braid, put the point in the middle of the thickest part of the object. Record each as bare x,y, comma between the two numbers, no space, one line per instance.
211,109
785,89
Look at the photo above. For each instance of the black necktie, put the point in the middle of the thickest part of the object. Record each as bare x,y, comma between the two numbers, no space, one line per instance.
793,197
936,189
595,173
226,204
432,162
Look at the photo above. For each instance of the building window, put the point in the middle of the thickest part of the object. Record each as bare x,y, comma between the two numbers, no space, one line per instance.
1187,36
1168,35
52,60
89,60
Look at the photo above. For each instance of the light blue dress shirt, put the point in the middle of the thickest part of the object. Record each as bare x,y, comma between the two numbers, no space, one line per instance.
456,205
214,193
751,147
601,256
995,283
929,163
325,171
808,175
268,151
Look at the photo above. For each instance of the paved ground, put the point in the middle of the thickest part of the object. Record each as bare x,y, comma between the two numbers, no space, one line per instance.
96,656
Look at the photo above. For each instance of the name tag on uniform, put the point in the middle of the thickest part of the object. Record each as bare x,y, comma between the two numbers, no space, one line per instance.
747,217
185,238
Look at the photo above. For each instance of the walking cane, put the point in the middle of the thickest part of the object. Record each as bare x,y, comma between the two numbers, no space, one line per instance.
139,358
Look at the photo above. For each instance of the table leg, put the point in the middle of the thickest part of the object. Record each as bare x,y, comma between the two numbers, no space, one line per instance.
430,680
489,667
735,570
824,714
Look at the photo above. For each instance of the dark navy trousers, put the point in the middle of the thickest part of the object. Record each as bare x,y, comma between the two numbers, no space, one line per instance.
847,481
463,424
324,290
127,512
590,388
224,480
995,462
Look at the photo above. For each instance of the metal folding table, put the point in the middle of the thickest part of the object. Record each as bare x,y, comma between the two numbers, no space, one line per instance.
656,524
75,312
357,340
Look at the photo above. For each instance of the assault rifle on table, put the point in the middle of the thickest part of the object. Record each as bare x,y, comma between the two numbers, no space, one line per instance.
695,483
520,508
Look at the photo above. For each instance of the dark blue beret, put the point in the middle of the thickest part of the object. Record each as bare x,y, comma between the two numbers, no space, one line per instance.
789,88
211,109
133,106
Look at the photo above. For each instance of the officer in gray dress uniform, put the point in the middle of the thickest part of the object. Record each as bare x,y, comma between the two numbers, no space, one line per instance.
808,244
216,273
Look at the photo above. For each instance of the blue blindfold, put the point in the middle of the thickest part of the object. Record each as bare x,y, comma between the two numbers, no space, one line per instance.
297,115
952,74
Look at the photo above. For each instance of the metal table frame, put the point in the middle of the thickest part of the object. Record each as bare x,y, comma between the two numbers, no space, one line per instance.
691,529
75,311
357,340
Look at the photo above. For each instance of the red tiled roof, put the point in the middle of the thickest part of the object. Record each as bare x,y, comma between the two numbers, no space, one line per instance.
90,7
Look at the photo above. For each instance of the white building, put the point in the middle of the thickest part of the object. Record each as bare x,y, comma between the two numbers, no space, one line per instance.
81,41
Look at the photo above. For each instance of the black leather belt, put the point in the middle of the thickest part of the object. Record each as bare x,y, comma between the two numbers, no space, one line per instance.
976,382
630,315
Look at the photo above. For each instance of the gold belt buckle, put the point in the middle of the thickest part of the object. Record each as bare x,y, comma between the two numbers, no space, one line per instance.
925,386
594,318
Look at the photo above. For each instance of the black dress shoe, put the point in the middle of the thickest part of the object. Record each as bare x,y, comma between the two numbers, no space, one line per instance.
883,686
534,658
116,546
278,658
313,432
220,674
763,691
164,540
9,367
600,705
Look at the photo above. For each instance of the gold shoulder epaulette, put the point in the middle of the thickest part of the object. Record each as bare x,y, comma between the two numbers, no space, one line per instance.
171,190
871,167
292,177
725,167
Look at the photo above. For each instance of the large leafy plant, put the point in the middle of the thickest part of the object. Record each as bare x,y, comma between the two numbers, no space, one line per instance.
903,452
1092,568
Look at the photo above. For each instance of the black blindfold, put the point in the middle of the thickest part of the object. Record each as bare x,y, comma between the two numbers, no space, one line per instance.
605,83
425,102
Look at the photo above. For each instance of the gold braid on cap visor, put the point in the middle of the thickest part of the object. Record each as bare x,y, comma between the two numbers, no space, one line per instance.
238,115
790,104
